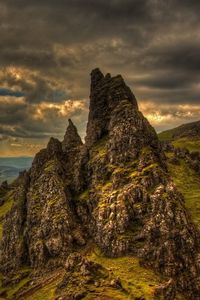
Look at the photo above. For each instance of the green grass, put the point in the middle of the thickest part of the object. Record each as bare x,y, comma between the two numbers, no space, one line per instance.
84,196
188,183
12,290
51,165
46,292
184,142
136,280
7,205
4,209
99,150
166,135
191,145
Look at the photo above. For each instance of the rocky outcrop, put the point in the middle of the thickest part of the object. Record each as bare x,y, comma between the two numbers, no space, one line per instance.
4,188
14,251
80,276
114,190
45,218
71,139
192,158
106,92
172,242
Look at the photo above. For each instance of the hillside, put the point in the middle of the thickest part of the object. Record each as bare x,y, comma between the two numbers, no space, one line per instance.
100,220
189,130
186,135
181,162
11,166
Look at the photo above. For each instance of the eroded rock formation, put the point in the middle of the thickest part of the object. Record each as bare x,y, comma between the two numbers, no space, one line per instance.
114,190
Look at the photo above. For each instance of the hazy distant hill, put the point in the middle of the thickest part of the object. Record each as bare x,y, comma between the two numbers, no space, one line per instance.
11,166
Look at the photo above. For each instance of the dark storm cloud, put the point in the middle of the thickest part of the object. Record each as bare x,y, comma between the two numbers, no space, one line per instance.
7,92
54,45
183,56
12,113
35,88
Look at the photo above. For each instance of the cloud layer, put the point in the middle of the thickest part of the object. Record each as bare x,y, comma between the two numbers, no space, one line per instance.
48,48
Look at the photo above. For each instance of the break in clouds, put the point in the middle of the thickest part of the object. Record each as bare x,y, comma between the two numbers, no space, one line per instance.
48,48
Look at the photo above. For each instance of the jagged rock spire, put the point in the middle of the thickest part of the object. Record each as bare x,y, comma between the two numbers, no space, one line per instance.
71,137
118,194
106,93
54,146
96,77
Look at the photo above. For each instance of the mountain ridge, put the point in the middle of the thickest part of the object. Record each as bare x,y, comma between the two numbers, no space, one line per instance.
114,191
188,130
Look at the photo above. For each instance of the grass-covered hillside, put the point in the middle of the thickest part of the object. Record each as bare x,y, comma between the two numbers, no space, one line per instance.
189,130
184,136
186,179
136,282
188,183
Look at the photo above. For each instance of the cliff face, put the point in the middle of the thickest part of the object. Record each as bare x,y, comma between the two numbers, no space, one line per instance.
114,190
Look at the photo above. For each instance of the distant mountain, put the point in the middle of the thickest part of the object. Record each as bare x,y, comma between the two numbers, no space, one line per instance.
11,166
183,136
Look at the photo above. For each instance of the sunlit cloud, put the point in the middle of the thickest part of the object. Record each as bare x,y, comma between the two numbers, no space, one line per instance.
168,116
63,109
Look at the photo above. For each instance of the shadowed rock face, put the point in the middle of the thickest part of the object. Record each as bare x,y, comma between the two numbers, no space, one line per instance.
105,94
115,190
71,138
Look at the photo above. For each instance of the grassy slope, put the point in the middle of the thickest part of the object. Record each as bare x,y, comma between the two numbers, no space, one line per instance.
191,145
136,282
166,135
188,183
12,289
46,292
186,142
187,180
4,209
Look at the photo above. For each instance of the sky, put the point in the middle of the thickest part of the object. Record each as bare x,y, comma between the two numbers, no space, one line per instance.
48,49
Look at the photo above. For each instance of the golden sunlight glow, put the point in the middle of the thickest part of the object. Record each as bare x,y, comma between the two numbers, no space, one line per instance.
63,109
15,72
12,100
166,113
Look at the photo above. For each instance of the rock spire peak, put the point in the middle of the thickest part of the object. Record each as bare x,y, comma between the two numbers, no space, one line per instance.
71,137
